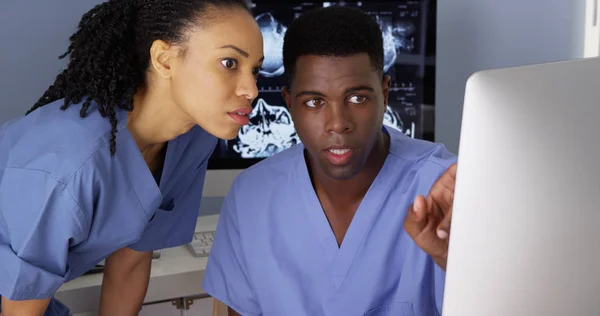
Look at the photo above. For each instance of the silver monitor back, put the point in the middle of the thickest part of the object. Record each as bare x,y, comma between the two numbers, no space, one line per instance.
525,236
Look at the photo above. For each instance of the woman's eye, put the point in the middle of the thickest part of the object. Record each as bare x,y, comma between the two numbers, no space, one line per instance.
256,71
314,103
358,99
229,63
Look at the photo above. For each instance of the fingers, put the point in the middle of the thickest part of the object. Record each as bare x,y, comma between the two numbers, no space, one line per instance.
447,180
441,195
452,171
416,217
420,207
420,215
443,229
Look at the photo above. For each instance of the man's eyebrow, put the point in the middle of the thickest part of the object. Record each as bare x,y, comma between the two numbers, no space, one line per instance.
359,88
237,49
349,90
310,93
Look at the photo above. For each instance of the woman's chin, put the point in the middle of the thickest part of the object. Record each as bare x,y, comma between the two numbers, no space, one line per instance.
227,133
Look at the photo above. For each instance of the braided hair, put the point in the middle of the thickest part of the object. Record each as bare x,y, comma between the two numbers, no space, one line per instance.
109,53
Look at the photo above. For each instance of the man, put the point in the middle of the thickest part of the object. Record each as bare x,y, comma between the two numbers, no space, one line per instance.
328,227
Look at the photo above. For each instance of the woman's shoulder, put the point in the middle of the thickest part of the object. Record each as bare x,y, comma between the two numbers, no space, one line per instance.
52,140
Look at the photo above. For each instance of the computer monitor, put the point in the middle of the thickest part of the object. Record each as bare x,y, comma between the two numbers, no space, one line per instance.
526,217
409,37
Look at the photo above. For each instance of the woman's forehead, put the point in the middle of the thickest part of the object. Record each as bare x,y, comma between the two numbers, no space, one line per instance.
238,30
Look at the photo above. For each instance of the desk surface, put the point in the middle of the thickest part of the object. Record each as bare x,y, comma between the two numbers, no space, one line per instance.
177,273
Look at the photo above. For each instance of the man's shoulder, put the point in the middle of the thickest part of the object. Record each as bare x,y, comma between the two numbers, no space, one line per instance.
270,171
419,151
419,163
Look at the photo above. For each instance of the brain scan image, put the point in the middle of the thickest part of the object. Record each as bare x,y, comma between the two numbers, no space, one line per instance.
273,33
270,131
398,33
391,118
403,33
389,49
396,38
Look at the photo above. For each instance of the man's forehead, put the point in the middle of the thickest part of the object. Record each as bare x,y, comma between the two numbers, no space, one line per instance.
332,69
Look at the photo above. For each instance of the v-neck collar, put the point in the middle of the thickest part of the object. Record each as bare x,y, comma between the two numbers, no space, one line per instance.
142,180
340,258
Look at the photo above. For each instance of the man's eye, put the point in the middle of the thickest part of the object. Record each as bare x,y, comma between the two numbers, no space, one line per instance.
314,103
358,99
229,63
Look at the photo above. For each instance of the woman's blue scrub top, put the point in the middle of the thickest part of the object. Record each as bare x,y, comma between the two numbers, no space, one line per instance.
66,204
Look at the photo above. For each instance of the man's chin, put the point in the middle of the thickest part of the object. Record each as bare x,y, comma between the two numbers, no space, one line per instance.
341,173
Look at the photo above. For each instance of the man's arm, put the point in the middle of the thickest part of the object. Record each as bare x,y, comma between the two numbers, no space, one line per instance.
126,276
24,308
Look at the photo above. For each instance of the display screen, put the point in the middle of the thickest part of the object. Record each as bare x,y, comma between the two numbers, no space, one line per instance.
271,129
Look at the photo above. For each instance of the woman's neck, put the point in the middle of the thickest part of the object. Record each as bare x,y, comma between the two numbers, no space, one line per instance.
155,121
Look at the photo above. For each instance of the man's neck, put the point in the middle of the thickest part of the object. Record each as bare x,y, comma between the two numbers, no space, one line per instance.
354,189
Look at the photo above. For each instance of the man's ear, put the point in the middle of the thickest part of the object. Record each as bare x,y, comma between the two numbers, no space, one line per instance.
287,96
386,83
161,58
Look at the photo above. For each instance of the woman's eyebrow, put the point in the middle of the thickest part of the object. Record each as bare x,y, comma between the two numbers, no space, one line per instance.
237,49
241,51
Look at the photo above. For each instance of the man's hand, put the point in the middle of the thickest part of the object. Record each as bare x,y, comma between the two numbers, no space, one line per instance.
428,219
125,282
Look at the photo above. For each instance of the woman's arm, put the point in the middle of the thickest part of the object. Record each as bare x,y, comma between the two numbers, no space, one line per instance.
126,276
24,308
42,222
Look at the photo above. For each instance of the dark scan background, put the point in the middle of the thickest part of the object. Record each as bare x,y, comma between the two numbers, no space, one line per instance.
271,129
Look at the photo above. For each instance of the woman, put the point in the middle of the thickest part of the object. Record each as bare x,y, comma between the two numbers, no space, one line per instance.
110,162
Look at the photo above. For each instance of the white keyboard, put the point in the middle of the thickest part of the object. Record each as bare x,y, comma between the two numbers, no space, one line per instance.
201,244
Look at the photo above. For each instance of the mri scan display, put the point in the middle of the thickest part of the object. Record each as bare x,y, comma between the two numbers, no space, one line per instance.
396,38
271,129
398,23
273,18
273,33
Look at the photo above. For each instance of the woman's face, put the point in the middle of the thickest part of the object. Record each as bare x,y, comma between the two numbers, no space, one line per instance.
213,79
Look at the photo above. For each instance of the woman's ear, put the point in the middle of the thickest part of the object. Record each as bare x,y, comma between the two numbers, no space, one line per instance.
161,58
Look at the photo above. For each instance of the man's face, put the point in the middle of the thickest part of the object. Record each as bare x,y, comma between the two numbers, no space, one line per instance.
337,105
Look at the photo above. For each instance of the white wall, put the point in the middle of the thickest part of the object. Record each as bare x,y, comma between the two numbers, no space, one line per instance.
473,35
34,33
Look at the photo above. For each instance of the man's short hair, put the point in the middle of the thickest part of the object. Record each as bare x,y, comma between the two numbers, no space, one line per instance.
332,31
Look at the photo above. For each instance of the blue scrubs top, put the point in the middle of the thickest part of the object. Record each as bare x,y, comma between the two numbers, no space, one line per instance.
66,204
274,252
